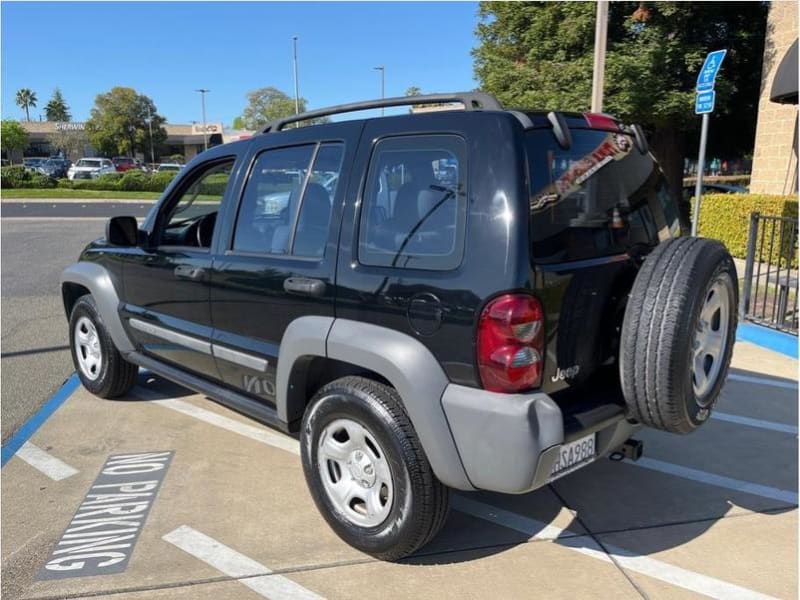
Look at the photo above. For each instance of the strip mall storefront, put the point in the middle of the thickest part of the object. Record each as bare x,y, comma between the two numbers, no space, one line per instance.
46,137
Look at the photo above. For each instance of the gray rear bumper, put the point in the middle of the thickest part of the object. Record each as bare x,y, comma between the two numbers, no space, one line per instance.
510,442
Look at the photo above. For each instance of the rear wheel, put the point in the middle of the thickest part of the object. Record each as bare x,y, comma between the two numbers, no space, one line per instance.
678,334
100,366
367,472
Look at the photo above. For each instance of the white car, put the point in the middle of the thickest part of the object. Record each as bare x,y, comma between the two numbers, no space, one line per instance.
90,168
164,167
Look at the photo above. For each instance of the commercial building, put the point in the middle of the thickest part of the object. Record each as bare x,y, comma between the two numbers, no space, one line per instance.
46,137
775,153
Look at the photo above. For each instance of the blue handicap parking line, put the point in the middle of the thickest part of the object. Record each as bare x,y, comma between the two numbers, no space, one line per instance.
24,433
768,338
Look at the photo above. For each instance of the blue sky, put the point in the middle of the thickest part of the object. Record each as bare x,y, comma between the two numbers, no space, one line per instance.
166,50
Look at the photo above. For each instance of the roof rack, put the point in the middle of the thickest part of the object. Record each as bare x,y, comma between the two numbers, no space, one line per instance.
470,100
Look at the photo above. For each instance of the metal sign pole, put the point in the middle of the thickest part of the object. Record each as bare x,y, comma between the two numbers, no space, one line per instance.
701,163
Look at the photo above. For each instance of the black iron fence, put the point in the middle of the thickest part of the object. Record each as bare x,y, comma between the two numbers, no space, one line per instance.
770,290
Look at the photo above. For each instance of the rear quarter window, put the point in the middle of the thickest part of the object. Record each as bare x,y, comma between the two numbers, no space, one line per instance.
597,198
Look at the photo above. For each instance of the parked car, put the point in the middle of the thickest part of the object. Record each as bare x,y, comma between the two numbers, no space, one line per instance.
495,329
33,163
163,167
713,188
124,163
90,168
55,167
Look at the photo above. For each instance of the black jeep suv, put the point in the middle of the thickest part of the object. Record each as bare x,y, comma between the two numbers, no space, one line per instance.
479,299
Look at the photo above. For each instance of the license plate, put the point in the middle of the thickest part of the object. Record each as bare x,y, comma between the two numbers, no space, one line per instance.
573,456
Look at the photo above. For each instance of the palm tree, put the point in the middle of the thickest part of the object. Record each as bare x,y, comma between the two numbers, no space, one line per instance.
26,99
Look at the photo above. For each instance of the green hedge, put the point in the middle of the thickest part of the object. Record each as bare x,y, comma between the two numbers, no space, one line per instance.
726,217
131,181
19,177
742,180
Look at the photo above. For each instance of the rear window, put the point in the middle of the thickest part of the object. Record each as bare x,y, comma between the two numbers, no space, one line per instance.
597,198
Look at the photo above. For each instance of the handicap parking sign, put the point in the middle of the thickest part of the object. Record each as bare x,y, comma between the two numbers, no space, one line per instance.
711,66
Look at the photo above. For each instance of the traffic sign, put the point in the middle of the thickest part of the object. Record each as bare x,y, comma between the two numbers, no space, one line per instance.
704,102
707,75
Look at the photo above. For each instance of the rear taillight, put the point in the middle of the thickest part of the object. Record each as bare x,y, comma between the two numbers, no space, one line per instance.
511,343
600,121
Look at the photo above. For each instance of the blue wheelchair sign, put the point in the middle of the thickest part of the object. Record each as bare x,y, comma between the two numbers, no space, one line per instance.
707,75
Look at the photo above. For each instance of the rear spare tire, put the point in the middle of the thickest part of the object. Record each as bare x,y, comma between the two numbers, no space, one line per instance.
678,333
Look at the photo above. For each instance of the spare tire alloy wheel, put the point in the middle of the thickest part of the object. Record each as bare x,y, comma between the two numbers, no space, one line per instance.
678,333
354,472
710,340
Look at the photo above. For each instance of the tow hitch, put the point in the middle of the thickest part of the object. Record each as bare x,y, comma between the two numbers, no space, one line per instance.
632,450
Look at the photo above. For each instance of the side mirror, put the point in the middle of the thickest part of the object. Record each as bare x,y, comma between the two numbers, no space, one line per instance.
122,231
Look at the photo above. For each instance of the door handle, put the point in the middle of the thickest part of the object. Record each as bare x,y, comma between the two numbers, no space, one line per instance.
189,272
304,286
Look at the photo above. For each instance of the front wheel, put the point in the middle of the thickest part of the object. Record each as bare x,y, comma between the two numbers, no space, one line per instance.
367,472
100,366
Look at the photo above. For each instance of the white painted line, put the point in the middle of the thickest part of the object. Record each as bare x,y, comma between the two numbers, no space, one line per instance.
763,381
738,485
48,464
771,425
233,564
689,580
265,436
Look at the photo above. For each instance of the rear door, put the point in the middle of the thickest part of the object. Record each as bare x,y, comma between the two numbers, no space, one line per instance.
277,260
594,208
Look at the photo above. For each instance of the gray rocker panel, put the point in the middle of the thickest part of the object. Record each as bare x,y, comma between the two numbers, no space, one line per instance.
416,375
96,279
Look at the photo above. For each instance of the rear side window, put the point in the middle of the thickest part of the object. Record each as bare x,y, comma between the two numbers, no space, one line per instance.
413,213
288,200
597,198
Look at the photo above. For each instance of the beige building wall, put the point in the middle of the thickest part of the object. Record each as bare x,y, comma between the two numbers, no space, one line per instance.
775,154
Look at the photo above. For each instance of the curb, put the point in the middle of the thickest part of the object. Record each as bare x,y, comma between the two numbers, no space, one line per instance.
771,339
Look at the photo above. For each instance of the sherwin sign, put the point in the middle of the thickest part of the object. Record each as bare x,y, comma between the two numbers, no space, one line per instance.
101,536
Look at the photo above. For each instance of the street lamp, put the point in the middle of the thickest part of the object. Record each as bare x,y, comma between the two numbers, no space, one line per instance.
203,92
382,69
294,70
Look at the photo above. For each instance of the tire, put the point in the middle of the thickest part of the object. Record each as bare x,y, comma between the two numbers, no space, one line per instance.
678,334
408,514
112,376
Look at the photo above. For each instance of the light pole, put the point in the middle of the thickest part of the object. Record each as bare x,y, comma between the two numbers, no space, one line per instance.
150,127
382,69
294,70
600,36
203,92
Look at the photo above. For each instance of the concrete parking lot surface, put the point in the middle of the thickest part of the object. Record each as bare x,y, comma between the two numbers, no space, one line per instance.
227,513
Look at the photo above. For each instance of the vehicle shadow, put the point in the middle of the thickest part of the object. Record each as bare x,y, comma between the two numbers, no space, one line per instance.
607,497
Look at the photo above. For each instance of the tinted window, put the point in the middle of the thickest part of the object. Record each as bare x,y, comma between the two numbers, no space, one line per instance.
286,208
596,198
414,209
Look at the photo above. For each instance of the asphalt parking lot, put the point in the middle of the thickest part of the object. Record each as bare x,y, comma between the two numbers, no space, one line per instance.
166,494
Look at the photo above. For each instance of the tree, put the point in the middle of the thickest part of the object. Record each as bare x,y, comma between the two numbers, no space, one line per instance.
539,55
13,137
71,142
57,109
119,122
238,123
267,104
26,99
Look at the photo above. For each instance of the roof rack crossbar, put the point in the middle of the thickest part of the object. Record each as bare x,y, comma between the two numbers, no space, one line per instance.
470,100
